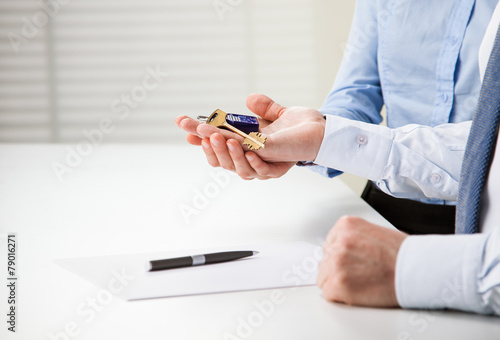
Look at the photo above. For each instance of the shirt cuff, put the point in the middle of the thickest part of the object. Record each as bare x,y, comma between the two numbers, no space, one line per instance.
323,171
436,272
355,147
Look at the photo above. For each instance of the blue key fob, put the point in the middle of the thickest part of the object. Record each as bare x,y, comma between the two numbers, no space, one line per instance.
245,123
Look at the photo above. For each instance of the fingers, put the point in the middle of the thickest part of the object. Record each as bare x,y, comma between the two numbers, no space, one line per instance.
205,130
178,119
331,250
265,169
242,167
226,154
209,153
323,270
264,106
187,124
220,150
333,286
202,130
193,140
231,156
199,129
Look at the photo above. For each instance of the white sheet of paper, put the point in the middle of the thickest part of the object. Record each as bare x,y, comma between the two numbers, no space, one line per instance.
126,276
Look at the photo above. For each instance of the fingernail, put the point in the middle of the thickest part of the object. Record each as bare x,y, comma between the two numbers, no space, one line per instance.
205,144
250,158
230,147
214,141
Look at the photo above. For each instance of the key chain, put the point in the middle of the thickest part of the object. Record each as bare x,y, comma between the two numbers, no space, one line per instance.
244,123
245,126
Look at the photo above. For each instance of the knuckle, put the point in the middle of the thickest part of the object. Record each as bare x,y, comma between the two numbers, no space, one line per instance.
339,260
228,167
346,221
345,226
213,163
236,156
331,291
338,288
330,294
262,171
243,173
346,241
281,111
328,250
341,227
341,281
273,175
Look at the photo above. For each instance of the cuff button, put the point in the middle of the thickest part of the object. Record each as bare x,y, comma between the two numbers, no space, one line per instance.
435,178
361,139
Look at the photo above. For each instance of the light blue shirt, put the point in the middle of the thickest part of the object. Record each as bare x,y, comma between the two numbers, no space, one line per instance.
416,57
432,271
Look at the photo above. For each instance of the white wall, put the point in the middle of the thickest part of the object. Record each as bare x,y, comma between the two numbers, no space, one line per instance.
127,67
66,66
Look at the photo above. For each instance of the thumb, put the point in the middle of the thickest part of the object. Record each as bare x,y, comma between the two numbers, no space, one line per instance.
264,107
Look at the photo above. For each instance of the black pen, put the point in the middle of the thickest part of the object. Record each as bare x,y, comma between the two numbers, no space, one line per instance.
198,260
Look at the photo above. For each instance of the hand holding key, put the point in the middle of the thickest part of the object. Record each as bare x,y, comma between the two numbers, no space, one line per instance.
253,140
292,134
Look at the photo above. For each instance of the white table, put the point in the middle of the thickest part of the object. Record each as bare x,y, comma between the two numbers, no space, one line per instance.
126,199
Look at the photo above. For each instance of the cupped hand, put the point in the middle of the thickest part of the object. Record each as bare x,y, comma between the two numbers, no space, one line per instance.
293,134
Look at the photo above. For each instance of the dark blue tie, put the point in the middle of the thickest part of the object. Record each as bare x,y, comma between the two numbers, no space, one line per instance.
480,146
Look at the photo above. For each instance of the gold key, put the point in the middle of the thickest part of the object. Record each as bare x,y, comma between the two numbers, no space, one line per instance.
254,140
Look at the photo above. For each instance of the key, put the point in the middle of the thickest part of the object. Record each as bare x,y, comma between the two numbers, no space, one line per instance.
254,140
244,123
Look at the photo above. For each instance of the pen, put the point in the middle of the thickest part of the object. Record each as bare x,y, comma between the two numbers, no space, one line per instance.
198,260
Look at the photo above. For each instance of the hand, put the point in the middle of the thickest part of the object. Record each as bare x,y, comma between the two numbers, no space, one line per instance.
358,264
230,155
292,134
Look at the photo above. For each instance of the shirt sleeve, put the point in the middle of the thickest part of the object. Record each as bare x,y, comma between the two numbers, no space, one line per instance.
412,161
454,271
357,93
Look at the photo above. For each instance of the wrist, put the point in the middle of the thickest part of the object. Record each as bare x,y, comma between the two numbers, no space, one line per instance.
319,135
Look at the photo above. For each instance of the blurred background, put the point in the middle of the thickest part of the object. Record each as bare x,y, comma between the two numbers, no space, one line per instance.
127,68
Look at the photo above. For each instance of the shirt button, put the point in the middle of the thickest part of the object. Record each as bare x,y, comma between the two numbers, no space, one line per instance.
453,41
445,97
435,178
361,139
